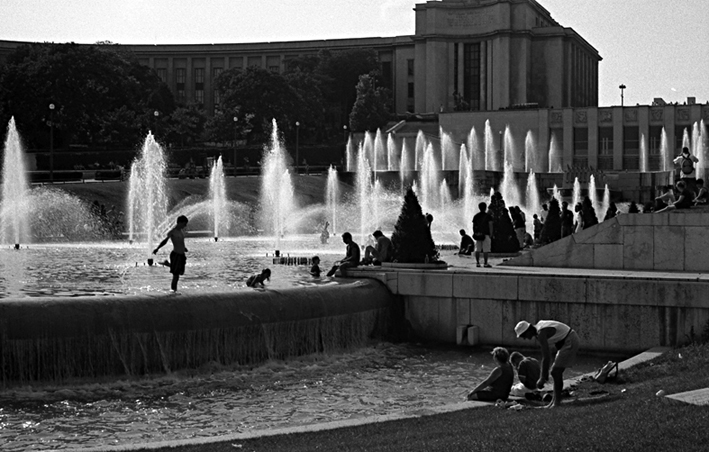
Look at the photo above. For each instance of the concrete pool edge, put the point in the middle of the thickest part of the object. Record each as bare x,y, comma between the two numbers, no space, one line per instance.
325,426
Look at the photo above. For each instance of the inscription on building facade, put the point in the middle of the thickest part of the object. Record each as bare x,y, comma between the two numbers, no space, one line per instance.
470,19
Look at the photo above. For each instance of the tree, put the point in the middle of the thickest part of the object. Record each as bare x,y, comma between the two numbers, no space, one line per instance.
551,231
371,109
265,95
102,94
186,125
504,239
411,240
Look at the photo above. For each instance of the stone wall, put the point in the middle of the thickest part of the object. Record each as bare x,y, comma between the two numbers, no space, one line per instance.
612,311
671,241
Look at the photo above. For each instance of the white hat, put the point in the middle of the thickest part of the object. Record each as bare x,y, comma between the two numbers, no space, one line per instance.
521,327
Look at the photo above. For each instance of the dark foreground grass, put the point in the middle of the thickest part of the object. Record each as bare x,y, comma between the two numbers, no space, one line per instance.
626,416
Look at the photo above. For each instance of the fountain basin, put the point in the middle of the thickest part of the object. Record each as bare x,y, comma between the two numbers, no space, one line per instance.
58,338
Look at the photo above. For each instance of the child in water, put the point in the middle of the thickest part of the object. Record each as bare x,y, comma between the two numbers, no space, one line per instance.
257,280
177,256
315,269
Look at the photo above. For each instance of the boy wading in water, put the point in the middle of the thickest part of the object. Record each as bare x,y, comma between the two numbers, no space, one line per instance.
178,259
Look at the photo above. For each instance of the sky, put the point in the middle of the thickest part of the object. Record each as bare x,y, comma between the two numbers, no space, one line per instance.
656,48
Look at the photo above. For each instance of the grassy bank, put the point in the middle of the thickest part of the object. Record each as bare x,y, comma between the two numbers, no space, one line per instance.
621,415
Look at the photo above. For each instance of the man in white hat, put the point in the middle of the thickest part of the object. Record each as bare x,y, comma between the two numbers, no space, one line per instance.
566,342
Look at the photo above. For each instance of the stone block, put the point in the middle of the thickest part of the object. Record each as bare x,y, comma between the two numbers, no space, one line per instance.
463,311
580,256
636,219
392,282
430,318
479,285
608,232
638,250
487,314
689,217
668,248
608,256
552,288
696,246
616,291
447,319
434,284
473,335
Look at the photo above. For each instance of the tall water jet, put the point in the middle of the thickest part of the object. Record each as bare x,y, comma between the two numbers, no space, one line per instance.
363,188
491,160
533,201
606,203
643,154
664,152
369,150
277,197
147,196
508,187
380,153
556,194
350,155
428,178
555,165
377,209
477,152
332,197
686,142
407,162
576,194
468,194
449,152
444,197
15,187
510,151
463,163
217,198
697,149
593,196
393,157
531,159
421,144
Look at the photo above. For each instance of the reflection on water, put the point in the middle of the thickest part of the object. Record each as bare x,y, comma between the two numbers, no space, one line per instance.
380,379
117,268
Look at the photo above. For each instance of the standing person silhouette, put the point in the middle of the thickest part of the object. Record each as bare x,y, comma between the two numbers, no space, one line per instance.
178,259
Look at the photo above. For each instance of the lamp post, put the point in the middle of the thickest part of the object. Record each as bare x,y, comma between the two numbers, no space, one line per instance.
297,132
622,87
236,164
157,116
51,143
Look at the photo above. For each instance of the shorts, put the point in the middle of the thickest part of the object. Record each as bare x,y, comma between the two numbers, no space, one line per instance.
566,355
483,245
487,395
177,263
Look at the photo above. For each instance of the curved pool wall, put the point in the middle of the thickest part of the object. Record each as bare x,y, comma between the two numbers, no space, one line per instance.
55,339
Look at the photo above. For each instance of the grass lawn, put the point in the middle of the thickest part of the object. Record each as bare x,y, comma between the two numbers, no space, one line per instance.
627,416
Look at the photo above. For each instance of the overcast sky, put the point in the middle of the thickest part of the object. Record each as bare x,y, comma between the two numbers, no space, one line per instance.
657,48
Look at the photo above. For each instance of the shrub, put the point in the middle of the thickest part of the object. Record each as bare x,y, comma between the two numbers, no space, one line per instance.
411,240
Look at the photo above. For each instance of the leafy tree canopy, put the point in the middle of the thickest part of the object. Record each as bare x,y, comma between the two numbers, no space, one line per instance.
371,109
101,94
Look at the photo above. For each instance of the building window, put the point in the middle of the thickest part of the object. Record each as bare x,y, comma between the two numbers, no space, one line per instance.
580,146
410,68
605,148
471,75
199,85
180,77
216,72
386,74
410,90
162,73
254,61
655,151
631,148
274,64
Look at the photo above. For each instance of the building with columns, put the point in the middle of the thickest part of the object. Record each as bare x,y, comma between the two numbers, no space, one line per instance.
476,55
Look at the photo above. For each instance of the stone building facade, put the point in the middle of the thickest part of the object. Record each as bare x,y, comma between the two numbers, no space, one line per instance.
480,55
